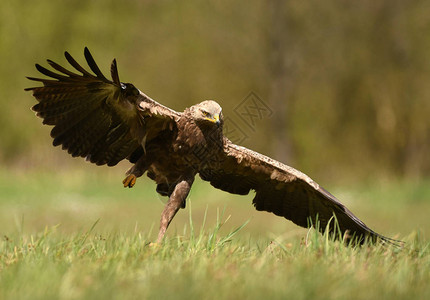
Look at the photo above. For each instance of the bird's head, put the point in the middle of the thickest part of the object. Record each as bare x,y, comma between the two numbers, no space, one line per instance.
207,113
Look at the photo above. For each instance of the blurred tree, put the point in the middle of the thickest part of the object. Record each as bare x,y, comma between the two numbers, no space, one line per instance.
347,81
282,60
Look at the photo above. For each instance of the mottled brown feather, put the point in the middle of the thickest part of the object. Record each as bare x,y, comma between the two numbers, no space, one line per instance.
94,117
284,191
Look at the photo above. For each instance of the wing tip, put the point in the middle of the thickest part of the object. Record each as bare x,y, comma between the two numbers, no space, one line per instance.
93,65
87,52
390,241
30,88
114,72
67,54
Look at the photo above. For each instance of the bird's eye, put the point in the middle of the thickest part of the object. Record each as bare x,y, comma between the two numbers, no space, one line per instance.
205,113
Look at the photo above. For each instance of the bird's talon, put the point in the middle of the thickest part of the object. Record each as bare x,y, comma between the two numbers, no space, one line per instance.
155,245
129,181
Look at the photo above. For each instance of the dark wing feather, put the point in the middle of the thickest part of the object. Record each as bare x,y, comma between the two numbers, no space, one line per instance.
284,191
94,117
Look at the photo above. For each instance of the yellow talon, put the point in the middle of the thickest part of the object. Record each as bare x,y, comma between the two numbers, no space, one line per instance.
155,245
129,181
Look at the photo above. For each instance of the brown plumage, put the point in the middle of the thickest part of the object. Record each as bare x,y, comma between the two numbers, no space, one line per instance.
107,121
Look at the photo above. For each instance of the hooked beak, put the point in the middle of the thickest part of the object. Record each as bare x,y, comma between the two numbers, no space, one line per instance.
216,119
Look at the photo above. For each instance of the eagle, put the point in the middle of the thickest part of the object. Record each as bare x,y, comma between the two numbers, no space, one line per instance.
106,121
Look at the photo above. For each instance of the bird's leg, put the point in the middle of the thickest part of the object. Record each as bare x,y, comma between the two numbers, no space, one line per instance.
135,171
176,199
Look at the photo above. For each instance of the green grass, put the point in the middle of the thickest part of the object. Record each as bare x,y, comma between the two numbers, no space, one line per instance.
77,235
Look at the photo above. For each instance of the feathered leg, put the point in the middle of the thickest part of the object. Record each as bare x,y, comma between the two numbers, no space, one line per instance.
176,199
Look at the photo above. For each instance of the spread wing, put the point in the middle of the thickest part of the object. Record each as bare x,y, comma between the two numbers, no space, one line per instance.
284,191
103,120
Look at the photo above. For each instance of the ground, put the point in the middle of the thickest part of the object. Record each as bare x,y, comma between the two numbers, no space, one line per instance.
78,234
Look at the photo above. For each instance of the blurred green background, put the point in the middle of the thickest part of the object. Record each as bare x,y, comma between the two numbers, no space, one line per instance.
346,87
347,83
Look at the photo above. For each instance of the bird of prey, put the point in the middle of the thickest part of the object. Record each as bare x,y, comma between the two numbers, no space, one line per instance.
106,121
